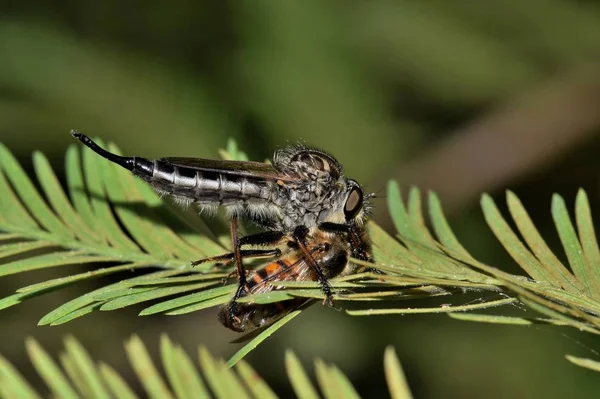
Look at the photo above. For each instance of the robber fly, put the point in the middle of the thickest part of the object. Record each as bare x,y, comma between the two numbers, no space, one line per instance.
302,200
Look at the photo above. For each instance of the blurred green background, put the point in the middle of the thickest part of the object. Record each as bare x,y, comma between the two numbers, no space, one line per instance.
460,97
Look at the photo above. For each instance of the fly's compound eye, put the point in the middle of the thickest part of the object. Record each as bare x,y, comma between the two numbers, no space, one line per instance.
353,203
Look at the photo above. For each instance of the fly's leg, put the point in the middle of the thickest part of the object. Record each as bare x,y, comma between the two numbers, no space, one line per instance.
237,257
300,234
233,307
264,238
334,228
223,260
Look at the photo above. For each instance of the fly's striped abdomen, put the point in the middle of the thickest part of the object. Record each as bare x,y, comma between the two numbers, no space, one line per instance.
203,186
203,181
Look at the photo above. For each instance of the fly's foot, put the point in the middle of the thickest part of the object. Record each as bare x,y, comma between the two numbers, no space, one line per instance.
374,271
219,262
229,276
328,301
199,262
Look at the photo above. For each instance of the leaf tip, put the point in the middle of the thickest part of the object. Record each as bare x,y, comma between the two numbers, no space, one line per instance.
557,200
486,199
290,358
390,354
31,345
582,196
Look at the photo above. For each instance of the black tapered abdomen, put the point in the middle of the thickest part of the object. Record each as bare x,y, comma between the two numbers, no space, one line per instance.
202,186
188,183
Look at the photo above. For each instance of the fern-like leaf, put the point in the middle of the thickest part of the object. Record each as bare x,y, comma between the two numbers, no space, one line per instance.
117,221
562,295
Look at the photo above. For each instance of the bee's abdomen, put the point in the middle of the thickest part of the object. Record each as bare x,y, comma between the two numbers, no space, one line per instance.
201,186
280,270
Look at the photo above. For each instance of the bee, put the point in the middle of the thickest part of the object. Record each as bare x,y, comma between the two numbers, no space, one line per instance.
330,252
303,202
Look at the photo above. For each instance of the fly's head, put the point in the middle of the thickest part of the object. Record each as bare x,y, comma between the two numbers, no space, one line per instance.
350,206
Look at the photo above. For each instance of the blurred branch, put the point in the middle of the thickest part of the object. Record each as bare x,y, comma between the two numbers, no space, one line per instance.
514,139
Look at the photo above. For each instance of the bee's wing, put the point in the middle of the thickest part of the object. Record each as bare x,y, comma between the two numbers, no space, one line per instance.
293,266
235,168
290,268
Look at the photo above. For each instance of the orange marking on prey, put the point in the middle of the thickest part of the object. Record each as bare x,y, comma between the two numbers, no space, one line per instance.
274,268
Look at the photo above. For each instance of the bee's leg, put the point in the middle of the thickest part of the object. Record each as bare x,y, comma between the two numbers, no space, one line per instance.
300,234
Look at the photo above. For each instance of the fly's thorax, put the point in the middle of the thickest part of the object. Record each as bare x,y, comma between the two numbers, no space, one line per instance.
304,203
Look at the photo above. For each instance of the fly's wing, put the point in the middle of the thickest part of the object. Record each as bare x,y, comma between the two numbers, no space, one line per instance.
234,168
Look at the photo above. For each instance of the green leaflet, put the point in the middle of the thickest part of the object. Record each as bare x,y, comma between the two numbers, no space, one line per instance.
116,383
90,381
49,370
303,388
180,370
332,382
394,376
266,333
256,385
151,380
